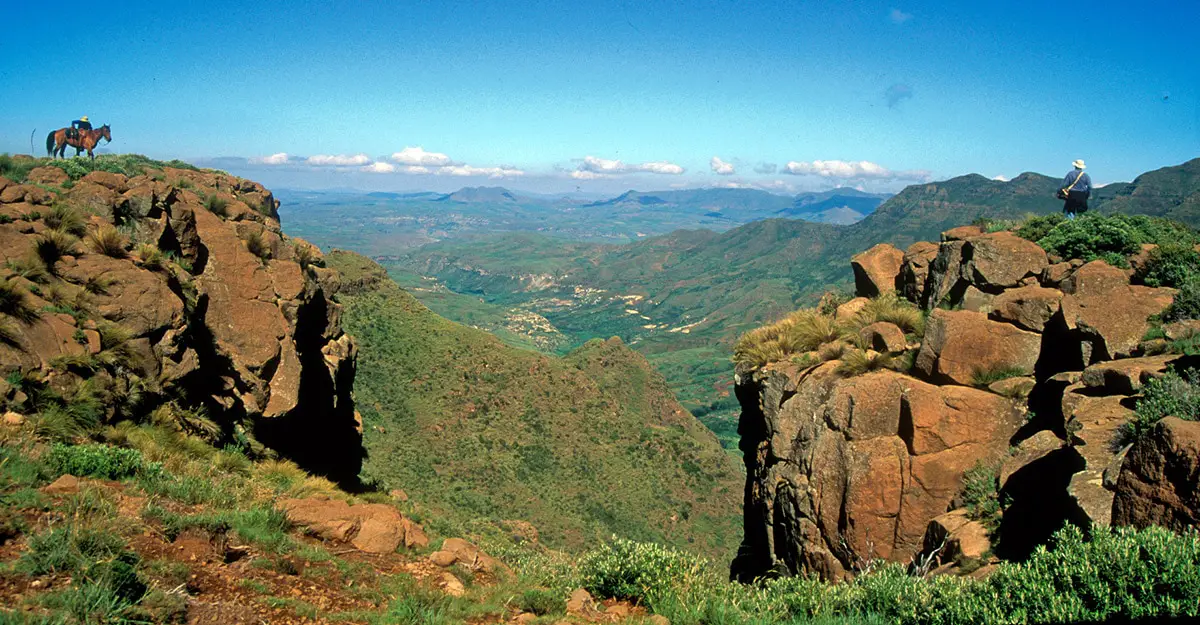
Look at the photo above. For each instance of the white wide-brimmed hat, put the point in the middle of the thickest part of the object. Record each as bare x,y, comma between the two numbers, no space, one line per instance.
1079,164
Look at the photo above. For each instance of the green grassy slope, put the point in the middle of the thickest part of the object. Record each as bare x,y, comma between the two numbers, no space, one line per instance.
583,447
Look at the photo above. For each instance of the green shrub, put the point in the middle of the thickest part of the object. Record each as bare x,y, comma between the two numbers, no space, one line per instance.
69,550
1036,228
108,241
69,420
102,461
1186,304
1112,237
1172,395
52,245
640,572
980,494
540,601
264,526
1170,265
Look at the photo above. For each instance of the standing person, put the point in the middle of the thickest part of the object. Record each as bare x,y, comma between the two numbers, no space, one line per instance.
1077,186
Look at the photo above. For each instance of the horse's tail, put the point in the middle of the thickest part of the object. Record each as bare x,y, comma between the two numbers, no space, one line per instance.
50,144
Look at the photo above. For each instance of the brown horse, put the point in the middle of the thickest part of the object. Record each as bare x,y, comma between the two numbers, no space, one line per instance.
58,140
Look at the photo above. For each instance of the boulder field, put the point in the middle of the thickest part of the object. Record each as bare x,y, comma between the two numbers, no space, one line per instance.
214,308
1027,367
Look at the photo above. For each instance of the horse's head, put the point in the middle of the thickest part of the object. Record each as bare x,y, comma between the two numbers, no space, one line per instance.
104,132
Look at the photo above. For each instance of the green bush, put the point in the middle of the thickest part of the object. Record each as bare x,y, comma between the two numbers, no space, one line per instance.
102,461
1035,228
980,494
1112,237
640,572
540,602
264,526
1170,265
1172,395
16,169
1186,304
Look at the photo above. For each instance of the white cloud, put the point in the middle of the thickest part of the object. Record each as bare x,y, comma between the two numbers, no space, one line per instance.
851,170
899,17
416,169
764,185
279,158
338,160
599,167
1000,177
417,156
721,168
380,167
490,172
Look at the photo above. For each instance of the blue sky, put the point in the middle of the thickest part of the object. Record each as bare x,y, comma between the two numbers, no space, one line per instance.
605,96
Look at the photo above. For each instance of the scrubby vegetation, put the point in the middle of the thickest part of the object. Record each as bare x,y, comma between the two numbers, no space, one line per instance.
1173,395
1111,238
1111,574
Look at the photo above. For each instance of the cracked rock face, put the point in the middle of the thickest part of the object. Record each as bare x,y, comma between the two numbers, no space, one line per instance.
843,470
234,317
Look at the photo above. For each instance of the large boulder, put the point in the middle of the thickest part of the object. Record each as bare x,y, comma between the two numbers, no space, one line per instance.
1030,307
1107,313
1000,260
876,270
373,528
1157,483
959,345
840,470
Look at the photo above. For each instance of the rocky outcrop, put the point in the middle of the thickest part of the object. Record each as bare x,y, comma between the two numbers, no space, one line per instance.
1025,367
205,301
842,470
1157,483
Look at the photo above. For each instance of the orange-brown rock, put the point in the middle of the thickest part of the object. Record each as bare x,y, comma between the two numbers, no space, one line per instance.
839,468
1157,483
953,536
961,233
1127,375
47,174
876,270
1002,260
1030,307
1109,314
470,556
960,344
1028,451
883,336
374,528
112,181
1013,387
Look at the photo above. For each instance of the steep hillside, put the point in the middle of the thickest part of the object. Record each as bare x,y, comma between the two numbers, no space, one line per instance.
583,447
1171,192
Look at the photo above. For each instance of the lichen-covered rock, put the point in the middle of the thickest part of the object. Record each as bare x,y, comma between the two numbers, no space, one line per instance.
843,469
1157,483
959,345
1127,375
1001,260
876,270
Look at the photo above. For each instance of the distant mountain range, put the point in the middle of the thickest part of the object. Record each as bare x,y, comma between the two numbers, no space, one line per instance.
382,223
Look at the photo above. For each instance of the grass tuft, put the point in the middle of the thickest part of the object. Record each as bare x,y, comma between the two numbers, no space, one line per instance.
108,241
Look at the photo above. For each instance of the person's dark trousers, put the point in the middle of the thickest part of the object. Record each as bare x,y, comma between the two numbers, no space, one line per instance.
1076,204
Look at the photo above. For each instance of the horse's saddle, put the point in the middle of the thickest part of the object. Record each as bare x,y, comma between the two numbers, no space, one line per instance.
72,133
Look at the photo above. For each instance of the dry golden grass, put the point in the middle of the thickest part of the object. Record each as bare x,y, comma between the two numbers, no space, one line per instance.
857,362
108,241
892,309
800,332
